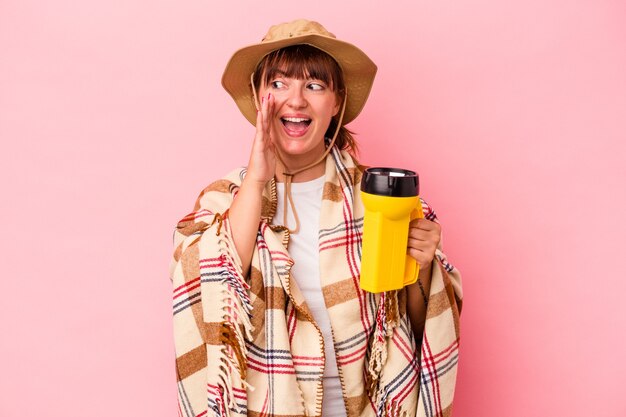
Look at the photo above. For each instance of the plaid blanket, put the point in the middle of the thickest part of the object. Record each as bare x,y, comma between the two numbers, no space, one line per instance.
249,345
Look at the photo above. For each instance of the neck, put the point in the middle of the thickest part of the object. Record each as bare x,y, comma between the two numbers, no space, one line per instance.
308,174
305,167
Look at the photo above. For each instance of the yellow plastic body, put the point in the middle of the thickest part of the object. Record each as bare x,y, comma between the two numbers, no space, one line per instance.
385,265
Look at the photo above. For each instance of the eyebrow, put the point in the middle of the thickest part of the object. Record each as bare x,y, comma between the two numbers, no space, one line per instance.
277,72
281,73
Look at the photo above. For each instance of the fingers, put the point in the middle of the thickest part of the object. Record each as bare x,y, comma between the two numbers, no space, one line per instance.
423,258
424,224
264,117
422,229
428,243
424,255
262,163
264,108
423,240
259,119
259,122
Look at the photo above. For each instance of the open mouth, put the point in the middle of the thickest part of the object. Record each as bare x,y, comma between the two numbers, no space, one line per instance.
295,125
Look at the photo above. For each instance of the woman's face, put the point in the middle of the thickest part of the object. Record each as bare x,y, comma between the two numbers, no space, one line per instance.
303,109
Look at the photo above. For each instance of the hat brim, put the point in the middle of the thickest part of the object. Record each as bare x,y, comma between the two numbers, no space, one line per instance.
358,71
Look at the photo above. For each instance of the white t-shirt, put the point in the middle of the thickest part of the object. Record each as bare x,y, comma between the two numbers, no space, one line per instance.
304,250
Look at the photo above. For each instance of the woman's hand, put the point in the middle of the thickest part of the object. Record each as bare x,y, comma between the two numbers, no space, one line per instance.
245,211
262,164
424,237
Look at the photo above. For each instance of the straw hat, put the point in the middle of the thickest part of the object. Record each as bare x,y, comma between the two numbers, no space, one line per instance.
358,69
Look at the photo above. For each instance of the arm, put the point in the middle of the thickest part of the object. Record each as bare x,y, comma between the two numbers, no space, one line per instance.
245,211
416,302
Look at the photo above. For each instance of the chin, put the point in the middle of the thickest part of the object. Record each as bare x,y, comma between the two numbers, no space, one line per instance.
299,146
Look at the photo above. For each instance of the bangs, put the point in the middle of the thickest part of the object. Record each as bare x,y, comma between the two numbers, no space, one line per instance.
300,62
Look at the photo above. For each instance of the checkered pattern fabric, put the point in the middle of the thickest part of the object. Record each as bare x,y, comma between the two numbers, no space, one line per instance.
249,345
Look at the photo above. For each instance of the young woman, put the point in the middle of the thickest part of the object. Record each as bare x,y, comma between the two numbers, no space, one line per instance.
268,313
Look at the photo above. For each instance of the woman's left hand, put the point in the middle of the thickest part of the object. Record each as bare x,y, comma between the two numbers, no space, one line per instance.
424,237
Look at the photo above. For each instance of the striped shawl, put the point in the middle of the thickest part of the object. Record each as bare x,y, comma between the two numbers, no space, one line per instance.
249,346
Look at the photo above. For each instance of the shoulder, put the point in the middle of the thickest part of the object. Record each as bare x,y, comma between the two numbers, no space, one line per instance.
215,197
227,185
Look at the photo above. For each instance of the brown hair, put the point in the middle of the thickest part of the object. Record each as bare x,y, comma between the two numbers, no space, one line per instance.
306,61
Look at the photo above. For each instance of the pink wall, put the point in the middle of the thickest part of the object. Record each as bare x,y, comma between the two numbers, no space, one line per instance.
112,118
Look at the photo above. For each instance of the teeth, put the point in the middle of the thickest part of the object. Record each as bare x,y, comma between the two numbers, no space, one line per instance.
295,119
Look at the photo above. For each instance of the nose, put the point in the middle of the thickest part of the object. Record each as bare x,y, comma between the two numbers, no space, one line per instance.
296,98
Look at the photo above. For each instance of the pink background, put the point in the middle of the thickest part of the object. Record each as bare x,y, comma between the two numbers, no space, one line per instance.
112,119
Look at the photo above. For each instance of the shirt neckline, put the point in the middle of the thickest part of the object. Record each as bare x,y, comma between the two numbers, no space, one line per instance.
303,186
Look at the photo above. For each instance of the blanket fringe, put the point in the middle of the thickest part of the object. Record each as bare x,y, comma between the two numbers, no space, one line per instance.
236,328
387,318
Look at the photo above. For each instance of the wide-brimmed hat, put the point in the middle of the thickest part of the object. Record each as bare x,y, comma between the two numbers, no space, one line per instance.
358,69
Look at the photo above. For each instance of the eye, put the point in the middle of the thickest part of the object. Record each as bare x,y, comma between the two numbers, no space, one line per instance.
277,84
316,86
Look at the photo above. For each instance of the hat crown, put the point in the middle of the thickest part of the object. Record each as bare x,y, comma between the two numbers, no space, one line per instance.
300,27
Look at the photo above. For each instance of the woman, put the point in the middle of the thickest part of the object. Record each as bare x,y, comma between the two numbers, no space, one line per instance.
268,313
